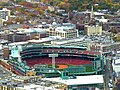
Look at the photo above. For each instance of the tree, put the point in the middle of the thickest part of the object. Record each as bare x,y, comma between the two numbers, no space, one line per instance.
40,10
20,9
116,37
45,1
18,19
65,1
8,23
62,4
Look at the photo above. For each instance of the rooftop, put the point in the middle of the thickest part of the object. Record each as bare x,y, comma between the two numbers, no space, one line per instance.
80,80
42,40
64,41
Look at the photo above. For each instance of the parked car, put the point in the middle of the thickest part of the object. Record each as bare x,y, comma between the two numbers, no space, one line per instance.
110,85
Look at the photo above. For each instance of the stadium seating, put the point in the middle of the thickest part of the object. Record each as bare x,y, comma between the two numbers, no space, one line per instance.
58,60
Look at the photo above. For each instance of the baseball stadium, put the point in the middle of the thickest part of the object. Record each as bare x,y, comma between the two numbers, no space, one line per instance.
54,61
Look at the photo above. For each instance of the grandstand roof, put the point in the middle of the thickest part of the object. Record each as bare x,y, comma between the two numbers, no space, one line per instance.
90,53
17,43
80,80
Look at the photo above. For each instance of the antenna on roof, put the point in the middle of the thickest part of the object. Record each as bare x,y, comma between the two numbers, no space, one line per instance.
92,12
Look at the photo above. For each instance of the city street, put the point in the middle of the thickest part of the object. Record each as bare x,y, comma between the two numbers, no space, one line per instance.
108,74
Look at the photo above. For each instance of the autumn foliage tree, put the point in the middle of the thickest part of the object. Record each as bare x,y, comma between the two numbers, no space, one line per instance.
45,1
116,37
65,5
18,19
40,10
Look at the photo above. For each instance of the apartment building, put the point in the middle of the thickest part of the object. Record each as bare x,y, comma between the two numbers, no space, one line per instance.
93,30
66,30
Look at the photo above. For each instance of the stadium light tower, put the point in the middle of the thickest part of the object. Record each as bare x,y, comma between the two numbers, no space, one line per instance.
53,59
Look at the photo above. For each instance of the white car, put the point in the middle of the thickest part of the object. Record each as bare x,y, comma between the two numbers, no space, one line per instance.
4,72
97,88
111,81
110,88
110,85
